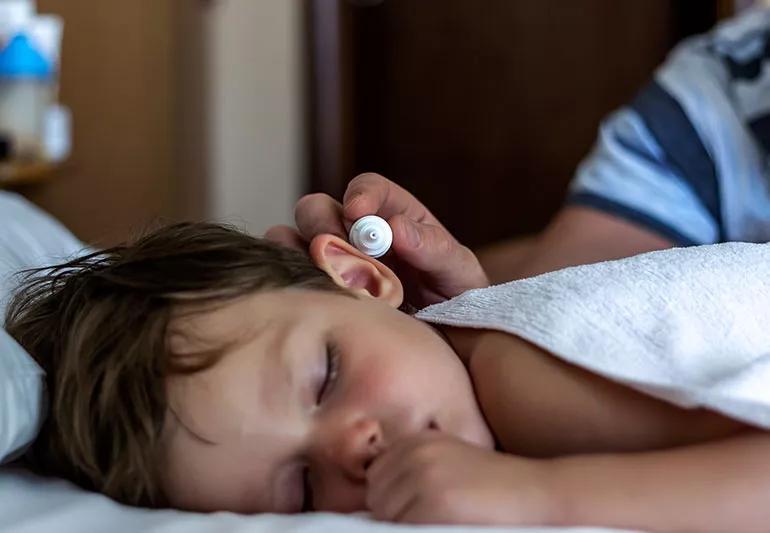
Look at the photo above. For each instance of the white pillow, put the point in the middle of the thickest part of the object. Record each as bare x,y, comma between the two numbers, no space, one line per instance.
29,238
22,398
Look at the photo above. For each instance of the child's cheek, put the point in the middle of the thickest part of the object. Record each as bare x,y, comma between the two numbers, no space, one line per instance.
381,385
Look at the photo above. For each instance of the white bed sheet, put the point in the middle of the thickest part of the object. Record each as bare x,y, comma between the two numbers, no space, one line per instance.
31,504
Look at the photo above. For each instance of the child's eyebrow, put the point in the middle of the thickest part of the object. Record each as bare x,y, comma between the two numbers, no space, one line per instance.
190,432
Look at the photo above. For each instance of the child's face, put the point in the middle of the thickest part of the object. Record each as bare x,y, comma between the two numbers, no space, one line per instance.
319,381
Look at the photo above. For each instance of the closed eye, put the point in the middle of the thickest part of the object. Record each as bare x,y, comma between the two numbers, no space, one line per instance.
332,370
330,378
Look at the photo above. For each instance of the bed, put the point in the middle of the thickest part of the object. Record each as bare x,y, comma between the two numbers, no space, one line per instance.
32,504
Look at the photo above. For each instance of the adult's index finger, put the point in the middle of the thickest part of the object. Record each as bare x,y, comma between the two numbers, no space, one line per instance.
318,213
373,194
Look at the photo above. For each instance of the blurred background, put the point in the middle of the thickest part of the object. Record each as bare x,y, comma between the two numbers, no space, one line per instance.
232,109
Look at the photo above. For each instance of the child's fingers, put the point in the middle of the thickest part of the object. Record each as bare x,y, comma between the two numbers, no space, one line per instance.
287,236
378,485
372,194
391,501
390,477
387,491
319,213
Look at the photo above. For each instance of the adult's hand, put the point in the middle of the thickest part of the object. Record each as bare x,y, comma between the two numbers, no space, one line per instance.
431,263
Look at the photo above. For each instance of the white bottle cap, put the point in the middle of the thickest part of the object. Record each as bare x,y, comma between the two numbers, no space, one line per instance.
371,235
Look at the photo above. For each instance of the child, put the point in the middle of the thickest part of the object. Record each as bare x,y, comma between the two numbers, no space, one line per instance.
204,369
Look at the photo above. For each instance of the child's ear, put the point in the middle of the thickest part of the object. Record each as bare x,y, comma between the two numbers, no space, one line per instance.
356,271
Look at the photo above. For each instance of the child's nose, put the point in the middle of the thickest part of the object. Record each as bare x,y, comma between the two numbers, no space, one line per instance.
356,447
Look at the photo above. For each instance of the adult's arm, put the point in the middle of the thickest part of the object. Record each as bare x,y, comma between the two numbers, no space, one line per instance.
683,163
577,235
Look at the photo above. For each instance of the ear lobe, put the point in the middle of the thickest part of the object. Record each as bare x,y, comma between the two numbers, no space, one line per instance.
355,271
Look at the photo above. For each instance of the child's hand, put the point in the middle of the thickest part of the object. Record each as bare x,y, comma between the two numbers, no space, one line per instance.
430,262
434,478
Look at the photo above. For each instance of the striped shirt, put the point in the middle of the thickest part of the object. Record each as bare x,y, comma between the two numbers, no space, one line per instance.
689,158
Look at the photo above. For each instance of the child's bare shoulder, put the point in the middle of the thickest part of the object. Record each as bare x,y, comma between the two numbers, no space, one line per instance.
539,405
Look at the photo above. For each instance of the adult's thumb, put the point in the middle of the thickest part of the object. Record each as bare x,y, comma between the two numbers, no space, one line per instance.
426,247
448,268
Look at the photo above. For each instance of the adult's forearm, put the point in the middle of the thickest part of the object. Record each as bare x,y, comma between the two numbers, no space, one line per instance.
718,486
576,236
502,261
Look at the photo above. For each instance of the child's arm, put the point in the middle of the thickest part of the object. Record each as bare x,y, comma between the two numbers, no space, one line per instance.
717,486
722,485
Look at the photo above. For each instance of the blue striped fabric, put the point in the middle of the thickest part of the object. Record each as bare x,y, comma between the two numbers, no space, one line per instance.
689,158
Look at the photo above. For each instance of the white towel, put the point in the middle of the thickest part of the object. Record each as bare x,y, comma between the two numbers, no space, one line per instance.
690,326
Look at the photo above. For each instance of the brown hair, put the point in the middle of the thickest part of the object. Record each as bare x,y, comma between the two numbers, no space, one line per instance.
97,325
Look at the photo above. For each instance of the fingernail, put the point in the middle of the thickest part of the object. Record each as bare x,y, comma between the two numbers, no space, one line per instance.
353,199
412,234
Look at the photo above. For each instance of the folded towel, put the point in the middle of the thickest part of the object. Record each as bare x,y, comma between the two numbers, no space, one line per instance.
690,326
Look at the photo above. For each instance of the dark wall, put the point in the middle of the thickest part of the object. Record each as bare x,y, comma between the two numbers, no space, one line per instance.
483,109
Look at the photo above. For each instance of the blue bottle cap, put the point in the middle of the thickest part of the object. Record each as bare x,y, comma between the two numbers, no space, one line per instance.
19,59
